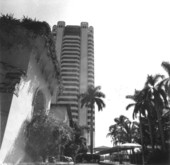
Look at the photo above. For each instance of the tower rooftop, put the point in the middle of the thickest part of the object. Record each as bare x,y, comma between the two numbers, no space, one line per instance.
72,30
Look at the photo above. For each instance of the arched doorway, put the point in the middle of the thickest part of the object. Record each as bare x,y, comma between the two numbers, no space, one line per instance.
39,103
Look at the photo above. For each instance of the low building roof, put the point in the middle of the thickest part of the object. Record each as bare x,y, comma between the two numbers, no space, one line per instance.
126,146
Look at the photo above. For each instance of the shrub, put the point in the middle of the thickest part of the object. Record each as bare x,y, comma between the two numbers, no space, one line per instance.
44,135
88,158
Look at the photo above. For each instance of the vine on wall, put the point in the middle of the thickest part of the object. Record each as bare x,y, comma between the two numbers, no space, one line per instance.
30,30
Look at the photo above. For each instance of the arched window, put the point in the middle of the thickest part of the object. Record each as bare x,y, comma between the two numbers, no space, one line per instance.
39,103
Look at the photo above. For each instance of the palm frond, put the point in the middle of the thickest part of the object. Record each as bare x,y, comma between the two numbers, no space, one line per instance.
100,94
130,97
157,98
92,96
164,96
97,88
129,106
137,109
166,66
84,102
109,134
157,77
153,80
100,103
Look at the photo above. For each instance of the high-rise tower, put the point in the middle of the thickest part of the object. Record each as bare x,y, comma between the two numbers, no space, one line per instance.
75,51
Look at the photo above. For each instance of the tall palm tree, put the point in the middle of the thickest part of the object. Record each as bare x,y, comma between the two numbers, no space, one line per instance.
145,108
138,109
92,96
158,97
152,98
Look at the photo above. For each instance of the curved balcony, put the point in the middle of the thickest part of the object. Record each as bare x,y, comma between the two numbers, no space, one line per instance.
70,61
90,82
74,112
90,47
91,64
70,74
90,43
70,93
71,97
71,37
91,75
65,52
74,108
70,57
91,71
70,79
70,49
91,68
90,58
71,44
67,102
90,79
69,88
70,70
70,83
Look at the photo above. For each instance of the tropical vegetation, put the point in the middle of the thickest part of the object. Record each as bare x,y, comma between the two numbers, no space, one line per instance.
124,131
92,96
151,109
78,143
24,32
46,138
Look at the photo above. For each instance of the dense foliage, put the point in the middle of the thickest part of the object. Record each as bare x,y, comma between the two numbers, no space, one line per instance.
9,24
24,32
88,158
45,136
124,131
78,143
151,107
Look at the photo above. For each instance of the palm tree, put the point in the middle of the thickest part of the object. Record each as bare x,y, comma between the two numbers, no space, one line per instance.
151,99
114,134
77,144
92,96
144,107
124,130
158,97
138,109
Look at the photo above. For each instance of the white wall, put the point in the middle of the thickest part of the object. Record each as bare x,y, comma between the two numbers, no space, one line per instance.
12,148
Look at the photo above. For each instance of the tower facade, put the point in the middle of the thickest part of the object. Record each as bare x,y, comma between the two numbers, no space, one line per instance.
75,51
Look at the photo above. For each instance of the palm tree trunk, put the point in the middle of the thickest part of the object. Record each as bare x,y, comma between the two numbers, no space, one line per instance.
151,133
160,128
141,134
91,132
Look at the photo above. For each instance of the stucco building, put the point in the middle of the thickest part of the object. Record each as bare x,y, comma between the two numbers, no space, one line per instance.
29,82
75,51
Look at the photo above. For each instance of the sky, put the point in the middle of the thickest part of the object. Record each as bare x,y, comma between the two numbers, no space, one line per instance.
131,39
